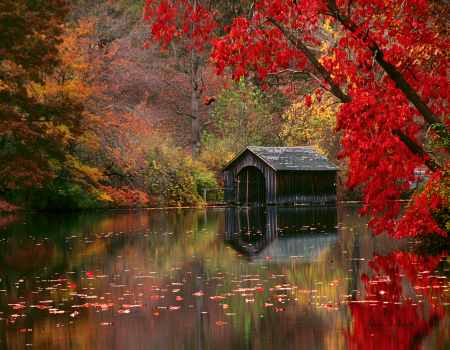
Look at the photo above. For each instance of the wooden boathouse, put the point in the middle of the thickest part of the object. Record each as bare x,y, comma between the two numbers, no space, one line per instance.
279,176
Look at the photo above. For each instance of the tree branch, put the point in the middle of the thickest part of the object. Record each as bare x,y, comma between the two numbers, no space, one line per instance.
344,98
334,88
389,68
417,150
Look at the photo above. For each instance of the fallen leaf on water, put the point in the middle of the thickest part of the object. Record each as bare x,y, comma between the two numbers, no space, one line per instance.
221,323
131,306
198,294
55,311
17,306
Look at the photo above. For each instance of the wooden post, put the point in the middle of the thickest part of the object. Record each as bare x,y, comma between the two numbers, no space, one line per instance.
238,189
247,188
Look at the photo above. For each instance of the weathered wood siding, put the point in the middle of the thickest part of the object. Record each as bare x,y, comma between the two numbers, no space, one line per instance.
282,187
248,159
306,187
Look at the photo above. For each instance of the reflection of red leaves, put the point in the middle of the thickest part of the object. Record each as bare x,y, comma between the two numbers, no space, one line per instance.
388,319
17,306
89,274
7,207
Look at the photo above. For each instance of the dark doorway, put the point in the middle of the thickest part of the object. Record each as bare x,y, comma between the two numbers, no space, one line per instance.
251,186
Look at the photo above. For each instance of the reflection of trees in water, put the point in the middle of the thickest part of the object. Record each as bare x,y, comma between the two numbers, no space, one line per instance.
58,241
145,255
7,219
403,303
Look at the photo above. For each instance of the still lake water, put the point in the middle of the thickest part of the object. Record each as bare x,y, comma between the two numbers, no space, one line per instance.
307,278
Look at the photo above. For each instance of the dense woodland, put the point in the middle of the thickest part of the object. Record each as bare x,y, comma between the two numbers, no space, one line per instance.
107,104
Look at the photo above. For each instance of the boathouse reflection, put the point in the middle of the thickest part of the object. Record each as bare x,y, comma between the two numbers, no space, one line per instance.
259,232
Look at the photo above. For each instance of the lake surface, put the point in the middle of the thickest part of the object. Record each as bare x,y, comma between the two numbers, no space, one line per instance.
306,278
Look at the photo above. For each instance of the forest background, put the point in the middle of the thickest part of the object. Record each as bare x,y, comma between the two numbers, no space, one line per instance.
119,133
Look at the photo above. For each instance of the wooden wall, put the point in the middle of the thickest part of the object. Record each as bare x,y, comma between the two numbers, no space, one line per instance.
248,159
282,187
317,187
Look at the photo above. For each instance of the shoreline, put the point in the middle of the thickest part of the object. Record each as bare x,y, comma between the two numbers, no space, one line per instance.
7,208
12,209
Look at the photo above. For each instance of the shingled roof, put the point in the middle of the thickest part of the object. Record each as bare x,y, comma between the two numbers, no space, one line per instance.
290,158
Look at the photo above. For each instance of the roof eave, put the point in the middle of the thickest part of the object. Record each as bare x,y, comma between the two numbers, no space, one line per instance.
242,152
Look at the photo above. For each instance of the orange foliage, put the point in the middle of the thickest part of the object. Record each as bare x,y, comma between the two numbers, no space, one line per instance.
124,197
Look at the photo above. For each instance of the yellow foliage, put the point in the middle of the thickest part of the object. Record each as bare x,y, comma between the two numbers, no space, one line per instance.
90,141
59,131
90,173
104,197
327,25
312,126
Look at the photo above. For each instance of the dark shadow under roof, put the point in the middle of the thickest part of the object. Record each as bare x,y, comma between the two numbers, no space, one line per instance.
290,158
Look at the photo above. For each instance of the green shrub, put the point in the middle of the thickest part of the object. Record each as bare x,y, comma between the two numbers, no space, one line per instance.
175,179
58,194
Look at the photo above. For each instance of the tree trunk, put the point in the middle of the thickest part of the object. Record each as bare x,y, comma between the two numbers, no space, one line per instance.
195,99
195,103
196,127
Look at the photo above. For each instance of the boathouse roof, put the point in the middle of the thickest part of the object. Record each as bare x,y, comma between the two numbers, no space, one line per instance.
289,158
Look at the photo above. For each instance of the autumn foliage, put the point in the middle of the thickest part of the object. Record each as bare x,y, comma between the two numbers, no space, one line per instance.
53,135
378,67
385,62
187,20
